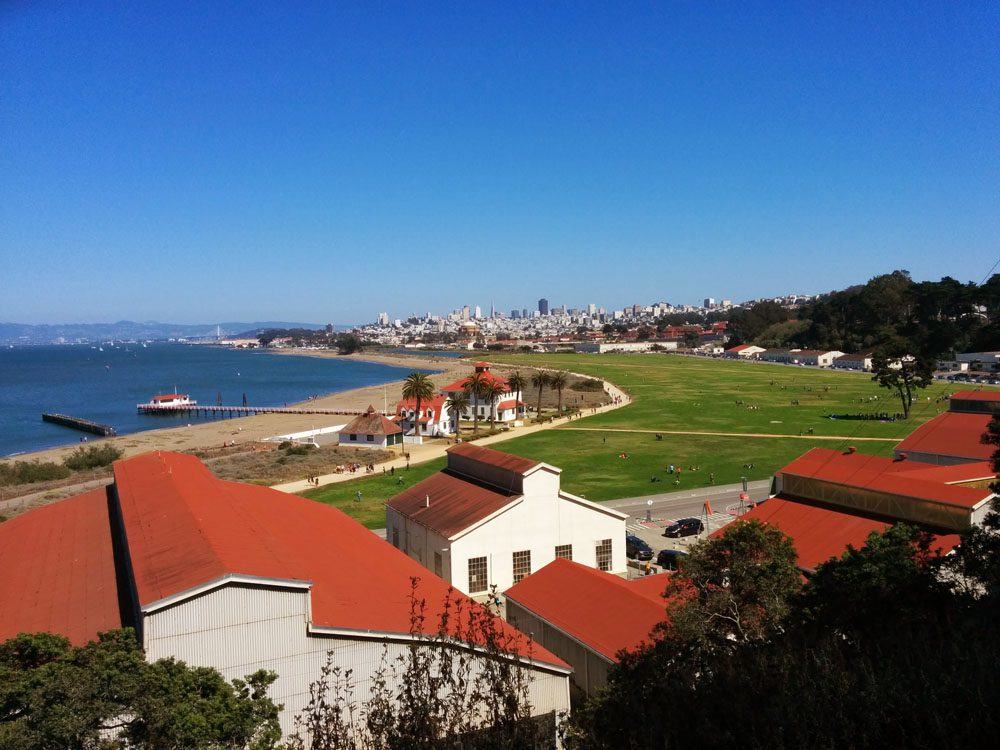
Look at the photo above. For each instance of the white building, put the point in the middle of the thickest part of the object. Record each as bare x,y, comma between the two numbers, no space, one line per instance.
508,408
603,347
980,360
230,576
490,519
434,418
370,430
810,357
745,351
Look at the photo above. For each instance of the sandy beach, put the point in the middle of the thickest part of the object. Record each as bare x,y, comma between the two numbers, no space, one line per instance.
212,432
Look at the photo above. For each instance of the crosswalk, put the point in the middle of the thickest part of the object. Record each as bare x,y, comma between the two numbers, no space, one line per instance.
715,520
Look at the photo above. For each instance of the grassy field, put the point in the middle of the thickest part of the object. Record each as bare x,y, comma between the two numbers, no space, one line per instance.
687,394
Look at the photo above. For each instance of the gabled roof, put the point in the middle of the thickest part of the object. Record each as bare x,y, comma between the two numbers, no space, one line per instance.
599,609
741,348
954,434
187,531
437,404
492,457
819,532
883,475
487,376
371,423
976,395
449,503
57,570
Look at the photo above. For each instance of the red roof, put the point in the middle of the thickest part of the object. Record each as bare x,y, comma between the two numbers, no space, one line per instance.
882,474
599,609
371,423
509,404
740,348
820,533
486,376
57,570
450,503
186,529
169,396
977,395
492,457
954,434
437,404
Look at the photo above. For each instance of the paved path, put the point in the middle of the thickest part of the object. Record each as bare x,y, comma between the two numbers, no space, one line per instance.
422,453
736,434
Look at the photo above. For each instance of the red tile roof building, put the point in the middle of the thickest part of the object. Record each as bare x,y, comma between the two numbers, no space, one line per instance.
435,415
587,617
370,430
490,518
507,407
222,574
955,436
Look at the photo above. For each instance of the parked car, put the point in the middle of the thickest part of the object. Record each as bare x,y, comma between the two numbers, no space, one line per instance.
637,549
669,559
684,527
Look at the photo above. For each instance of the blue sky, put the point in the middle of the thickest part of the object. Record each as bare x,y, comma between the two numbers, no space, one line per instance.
196,162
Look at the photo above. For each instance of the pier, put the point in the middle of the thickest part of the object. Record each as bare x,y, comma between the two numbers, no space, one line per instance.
235,411
76,423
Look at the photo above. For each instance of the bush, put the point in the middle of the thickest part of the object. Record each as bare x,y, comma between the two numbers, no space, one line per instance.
297,450
588,384
92,456
24,472
284,445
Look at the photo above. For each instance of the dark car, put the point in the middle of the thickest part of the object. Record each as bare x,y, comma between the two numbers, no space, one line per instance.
669,559
637,549
684,527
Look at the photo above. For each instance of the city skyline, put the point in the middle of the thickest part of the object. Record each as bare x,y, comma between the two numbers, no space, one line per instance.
211,163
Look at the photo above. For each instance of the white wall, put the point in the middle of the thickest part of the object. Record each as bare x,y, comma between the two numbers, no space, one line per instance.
239,629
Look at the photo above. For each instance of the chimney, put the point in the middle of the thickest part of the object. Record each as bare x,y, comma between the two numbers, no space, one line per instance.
427,501
850,449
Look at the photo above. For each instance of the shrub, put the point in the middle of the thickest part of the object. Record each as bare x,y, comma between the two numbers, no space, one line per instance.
92,456
284,445
297,450
24,472
588,384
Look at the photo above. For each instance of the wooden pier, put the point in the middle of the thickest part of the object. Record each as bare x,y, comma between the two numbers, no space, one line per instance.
235,411
76,423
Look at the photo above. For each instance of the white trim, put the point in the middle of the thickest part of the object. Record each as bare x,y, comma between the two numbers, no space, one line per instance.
593,506
380,635
217,583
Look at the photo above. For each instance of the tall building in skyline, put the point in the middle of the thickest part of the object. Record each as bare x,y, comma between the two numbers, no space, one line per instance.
479,312
543,306
709,302
465,312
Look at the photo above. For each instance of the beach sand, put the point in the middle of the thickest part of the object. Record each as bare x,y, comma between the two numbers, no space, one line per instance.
210,432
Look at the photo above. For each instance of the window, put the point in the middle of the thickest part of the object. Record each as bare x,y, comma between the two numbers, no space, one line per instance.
395,538
522,564
477,575
604,555
354,437
370,438
437,564
565,551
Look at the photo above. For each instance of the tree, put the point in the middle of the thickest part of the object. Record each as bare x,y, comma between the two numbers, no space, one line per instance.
418,387
348,343
557,381
517,383
539,380
55,695
493,390
734,588
691,339
473,386
440,693
903,373
458,403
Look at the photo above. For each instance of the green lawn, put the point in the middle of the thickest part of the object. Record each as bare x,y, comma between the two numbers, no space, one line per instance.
375,490
675,393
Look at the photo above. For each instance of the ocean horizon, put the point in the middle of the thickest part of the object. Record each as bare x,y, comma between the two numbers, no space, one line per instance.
104,383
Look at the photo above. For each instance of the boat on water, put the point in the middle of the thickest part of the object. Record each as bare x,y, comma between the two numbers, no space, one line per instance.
166,402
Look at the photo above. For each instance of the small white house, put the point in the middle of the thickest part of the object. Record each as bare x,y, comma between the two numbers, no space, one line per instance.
370,430
434,418
744,351
490,519
508,408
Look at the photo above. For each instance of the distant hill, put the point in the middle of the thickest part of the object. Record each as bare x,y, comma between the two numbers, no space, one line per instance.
69,333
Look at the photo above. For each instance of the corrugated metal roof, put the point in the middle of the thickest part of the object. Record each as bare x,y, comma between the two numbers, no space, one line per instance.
976,395
371,423
492,457
185,529
599,609
951,434
881,474
57,570
449,503
820,533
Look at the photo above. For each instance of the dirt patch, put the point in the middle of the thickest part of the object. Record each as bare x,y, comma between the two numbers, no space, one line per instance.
271,465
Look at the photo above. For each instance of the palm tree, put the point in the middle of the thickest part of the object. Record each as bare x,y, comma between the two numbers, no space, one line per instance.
493,390
517,383
474,388
458,403
419,387
557,380
540,379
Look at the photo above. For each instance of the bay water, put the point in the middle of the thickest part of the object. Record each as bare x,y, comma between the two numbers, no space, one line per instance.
104,384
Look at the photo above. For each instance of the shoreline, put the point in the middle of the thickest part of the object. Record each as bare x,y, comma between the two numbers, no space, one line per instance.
207,432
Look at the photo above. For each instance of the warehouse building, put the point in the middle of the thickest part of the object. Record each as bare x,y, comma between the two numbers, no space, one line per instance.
227,575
